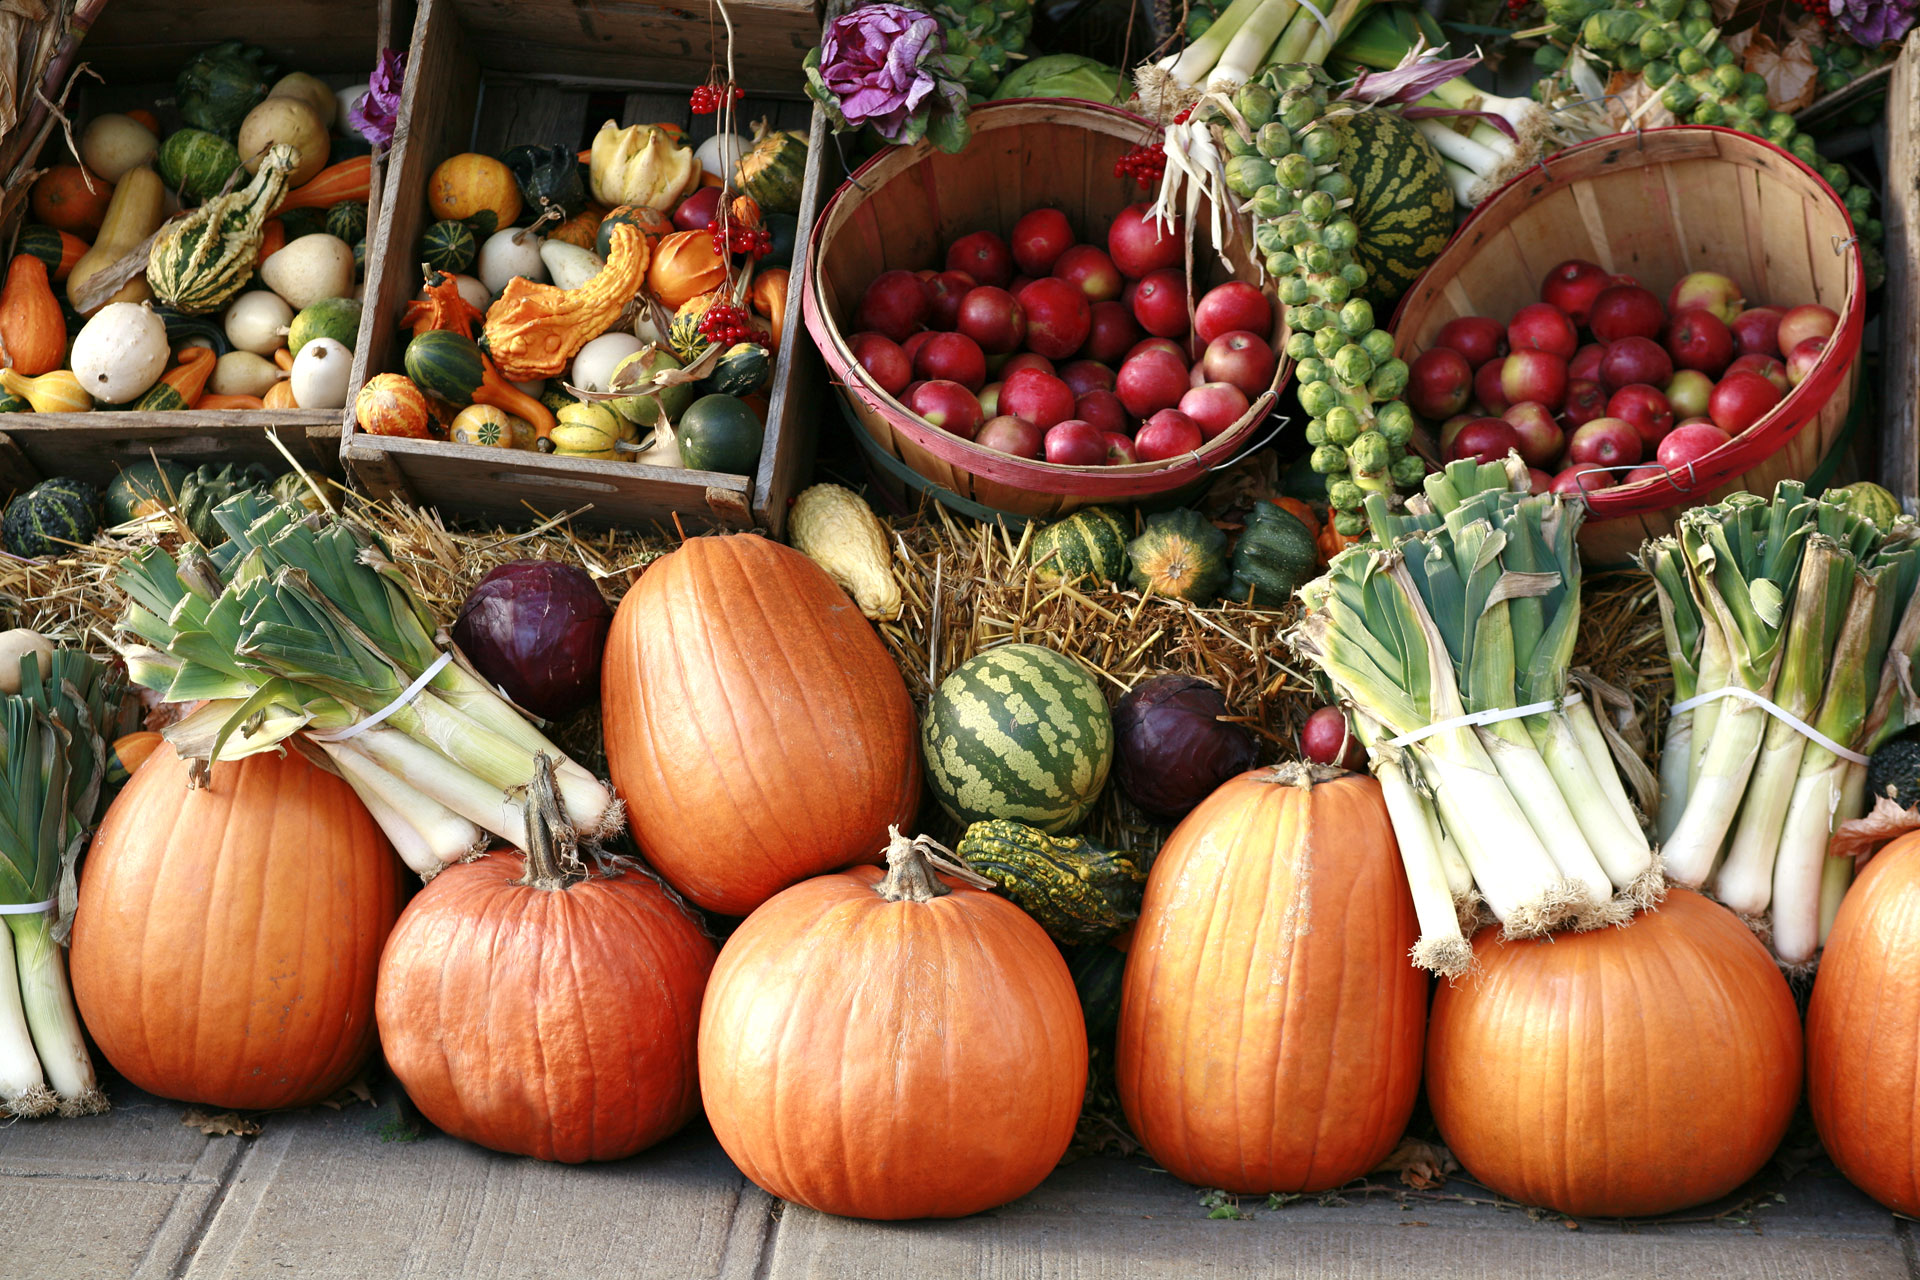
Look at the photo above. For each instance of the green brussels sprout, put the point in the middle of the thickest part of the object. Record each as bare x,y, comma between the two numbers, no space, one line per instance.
1835,174
1803,150
1631,60
1349,523
1298,110
1728,77
1316,432
1336,184
1755,106
1274,141
1343,426
1354,274
1294,291
1352,365
1319,398
1247,175
1316,207
1720,56
1334,290
1389,381
1781,126
1858,200
1707,111
1328,460
1668,10
1656,42
1752,82
1379,345
1694,30
1310,369
1678,97
1294,172
1299,344
1270,202
1293,229
1657,73
1397,427
1238,146
1370,454
1345,495
1571,13
1281,264
1327,341
1356,317
1340,235
1255,103
1408,471
1689,60
1322,146
1549,58
1317,258
1699,9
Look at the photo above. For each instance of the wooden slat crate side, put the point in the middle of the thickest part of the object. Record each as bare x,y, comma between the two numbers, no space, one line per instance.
57,444
1900,315
133,37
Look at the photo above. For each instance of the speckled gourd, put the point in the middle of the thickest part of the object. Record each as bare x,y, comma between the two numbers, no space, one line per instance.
198,263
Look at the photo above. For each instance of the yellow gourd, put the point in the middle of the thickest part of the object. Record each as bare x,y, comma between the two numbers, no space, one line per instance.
280,396
136,211
483,425
56,392
837,531
586,431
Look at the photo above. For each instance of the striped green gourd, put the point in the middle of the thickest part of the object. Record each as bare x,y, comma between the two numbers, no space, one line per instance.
1090,541
444,364
449,246
1076,890
201,261
196,163
348,220
1018,732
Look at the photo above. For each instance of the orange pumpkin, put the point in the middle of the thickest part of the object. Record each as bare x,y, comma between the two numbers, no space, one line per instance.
227,935
390,405
1862,1054
553,1019
892,1046
580,229
67,198
464,185
273,238
754,723
1621,1072
230,402
33,332
684,266
1270,1025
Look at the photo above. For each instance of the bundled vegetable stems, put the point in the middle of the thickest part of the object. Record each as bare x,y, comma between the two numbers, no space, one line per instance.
1802,603
299,624
1470,607
54,757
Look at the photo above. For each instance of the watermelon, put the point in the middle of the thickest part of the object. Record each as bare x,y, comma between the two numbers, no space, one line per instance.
1018,732
1093,541
336,318
47,518
141,488
196,163
1402,204
1868,501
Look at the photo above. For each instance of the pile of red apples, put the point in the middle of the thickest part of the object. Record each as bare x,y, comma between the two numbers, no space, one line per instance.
1599,384
1043,347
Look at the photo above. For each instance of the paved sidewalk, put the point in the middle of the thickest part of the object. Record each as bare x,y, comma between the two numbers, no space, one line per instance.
360,1195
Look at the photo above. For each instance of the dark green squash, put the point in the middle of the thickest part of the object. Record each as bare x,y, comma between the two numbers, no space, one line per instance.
1894,770
48,518
348,221
1076,891
1274,557
548,178
785,230
219,85
722,434
183,328
449,246
1090,541
142,487
10,403
744,368
1183,554
302,222
1097,970
206,487
445,365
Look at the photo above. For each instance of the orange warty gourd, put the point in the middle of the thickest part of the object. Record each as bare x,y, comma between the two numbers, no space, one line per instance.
1863,1059
892,1045
227,936
1617,1073
553,1019
32,330
754,723
1270,1023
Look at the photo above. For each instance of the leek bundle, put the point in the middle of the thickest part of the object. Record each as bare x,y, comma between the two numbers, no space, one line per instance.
300,624
54,756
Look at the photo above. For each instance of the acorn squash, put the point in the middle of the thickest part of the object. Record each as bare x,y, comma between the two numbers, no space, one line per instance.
775,169
1181,553
218,86
48,518
1274,557
720,433
1077,891
744,368
548,177
1092,541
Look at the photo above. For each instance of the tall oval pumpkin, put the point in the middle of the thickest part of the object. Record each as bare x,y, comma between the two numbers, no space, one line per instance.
1617,1073
1863,1053
754,723
892,1045
1270,1021
226,939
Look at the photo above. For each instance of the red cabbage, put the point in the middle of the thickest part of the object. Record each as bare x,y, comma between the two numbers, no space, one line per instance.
1173,748
537,629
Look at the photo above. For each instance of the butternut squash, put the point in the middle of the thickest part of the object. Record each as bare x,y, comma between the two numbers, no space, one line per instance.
33,334
136,211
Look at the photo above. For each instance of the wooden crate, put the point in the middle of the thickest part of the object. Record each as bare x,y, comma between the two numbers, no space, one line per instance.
137,46
459,98
1900,308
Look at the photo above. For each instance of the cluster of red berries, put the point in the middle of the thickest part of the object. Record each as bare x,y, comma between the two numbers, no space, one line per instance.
1146,165
706,98
1517,7
737,237
725,325
1819,11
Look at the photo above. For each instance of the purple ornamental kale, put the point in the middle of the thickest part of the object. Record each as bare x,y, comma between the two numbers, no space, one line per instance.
887,66
1872,23
377,112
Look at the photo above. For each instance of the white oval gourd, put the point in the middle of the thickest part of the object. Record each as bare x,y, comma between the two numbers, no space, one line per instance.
289,120
721,153
320,375
349,98
17,644
533,387
242,373
120,352
113,144
311,90
257,321
309,270
510,253
568,265
476,294
593,367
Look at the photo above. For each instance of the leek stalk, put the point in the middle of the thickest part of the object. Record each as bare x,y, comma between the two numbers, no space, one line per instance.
1198,59
1442,948
1247,52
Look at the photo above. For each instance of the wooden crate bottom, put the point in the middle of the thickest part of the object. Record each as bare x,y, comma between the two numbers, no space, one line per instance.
96,446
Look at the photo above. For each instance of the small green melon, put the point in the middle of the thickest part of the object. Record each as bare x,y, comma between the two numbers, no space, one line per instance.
336,318
721,433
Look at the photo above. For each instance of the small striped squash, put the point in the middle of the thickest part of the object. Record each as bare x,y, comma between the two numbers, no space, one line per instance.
1090,541
390,405
482,425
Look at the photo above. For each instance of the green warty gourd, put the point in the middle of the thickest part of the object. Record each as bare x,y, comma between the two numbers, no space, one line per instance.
202,260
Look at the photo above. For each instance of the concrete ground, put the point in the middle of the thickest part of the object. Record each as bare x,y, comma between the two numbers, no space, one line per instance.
369,1192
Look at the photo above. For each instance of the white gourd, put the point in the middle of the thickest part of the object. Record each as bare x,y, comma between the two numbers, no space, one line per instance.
510,253
593,367
242,373
320,375
121,352
257,321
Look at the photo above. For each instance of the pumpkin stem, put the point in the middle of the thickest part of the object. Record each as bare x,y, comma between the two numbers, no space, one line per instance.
1304,774
552,858
911,865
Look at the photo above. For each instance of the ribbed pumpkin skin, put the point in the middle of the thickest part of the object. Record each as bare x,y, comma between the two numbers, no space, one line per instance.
1617,1073
226,940
1270,1022
892,1060
557,1024
754,723
1863,1051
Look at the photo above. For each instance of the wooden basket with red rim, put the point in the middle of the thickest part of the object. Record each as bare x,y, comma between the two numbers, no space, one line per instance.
901,210
1658,205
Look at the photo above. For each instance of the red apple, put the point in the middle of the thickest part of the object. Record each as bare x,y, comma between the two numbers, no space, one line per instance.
951,357
1215,406
906,397
696,211
1167,345
1539,327
1478,338
1439,383
1621,277
1687,392
1626,311
1585,402
1709,291
1606,442
1532,374
1230,306
1026,360
1586,362
1541,438
1688,443
1572,286
1582,479
883,359
1073,443
1150,382
1632,360
1756,331
1102,408
916,341
1450,431
1127,290
1088,268
1740,400
1242,358
1805,354
1019,282
1646,408
984,256
1485,440
1160,303
1059,318
1797,324
1111,333
1039,238
946,290
1167,434
949,406
1120,449
1649,472
1538,481
1698,339
1327,739
1486,387
1008,434
1694,422
994,319
1139,243
895,304
1087,375
1766,366
1040,398
989,398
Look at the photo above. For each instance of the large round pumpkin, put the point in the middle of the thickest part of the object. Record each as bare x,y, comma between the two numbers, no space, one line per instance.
1863,1031
227,935
754,723
1270,1022
554,1021
892,1046
1621,1072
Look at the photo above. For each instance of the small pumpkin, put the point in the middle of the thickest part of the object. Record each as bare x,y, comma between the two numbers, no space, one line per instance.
449,246
1076,890
441,305
33,332
474,186
280,395
684,335
389,404
483,425
67,198
684,266
141,489
48,519
219,85
580,230
1181,553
